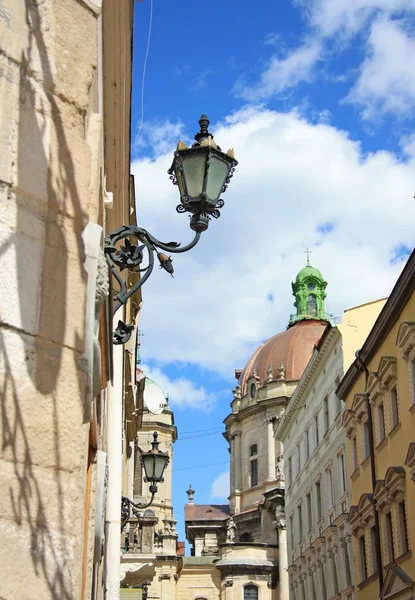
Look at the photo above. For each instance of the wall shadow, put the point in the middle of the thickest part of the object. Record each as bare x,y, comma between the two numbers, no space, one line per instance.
51,552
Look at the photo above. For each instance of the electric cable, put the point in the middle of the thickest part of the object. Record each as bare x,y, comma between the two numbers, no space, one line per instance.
150,25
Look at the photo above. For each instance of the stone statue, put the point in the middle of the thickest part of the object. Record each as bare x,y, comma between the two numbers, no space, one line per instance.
280,517
190,494
270,374
279,469
230,533
281,373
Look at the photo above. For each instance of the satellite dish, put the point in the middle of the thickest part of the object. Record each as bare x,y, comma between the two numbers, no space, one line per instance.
154,398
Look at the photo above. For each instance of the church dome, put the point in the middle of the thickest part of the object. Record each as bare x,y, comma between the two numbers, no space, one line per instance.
285,356
309,271
291,348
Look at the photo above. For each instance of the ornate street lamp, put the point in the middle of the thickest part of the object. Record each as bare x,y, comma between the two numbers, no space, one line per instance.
202,173
154,462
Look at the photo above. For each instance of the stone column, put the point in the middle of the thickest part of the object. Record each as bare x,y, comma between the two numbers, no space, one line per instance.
283,553
237,462
347,571
323,590
232,464
312,587
333,574
271,449
316,580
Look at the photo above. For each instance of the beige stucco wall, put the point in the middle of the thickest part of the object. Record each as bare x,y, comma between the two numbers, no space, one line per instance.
392,452
198,580
48,193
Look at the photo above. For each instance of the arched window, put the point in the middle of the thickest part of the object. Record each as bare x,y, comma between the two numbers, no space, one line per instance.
246,537
250,592
253,465
312,305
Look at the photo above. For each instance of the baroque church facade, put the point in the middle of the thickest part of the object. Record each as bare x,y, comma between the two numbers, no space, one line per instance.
239,549
243,544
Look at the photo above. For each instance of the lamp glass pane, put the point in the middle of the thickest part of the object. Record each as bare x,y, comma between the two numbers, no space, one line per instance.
194,172
179,178
148,464
217,174
160,464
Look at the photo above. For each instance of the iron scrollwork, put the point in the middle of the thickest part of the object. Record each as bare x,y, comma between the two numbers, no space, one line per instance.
128,506
131,256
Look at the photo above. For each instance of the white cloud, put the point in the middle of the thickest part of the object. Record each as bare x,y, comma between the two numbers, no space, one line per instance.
292,177
386,82
158,136
347,17
220,487
182,392
283,73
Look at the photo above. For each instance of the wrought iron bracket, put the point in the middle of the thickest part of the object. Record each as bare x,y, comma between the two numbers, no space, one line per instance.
130,256
128,506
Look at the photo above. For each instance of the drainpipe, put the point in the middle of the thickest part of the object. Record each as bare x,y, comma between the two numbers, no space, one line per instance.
363,369
114,491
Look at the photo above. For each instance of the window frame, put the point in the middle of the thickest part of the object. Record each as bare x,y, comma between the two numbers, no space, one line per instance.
355,453
394,405
403,526
319,506
330,488
326,414
252,586
388,532
380,407
361,544
365,440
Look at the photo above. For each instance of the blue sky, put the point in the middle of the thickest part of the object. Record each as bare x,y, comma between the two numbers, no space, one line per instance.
317,98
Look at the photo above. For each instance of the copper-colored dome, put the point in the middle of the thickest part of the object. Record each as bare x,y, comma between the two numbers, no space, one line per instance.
291,348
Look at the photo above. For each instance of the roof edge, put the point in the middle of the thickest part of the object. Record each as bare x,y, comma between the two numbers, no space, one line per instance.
398,299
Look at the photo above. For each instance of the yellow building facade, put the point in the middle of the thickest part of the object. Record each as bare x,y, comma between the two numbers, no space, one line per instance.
379,418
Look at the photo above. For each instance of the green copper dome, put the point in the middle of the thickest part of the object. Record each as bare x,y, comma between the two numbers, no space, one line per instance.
309,290
309,271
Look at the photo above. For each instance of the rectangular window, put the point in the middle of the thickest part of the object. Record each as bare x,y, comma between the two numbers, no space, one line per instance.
326,414
291,521
342,475
306,445
338,399
254,472
309,513
330,499
411,367
251,592
362,558
318,500
298,459
300,522
355,456
393,395
365,435
316,433
290,471
381,422
403,527
390,547
373,550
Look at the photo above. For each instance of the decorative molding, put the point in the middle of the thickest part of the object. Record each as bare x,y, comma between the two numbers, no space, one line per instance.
386,320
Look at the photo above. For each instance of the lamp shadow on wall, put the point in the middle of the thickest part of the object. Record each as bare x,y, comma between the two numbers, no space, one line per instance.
43,299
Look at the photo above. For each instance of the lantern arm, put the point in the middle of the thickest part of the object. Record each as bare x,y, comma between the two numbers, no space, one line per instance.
174,247
130,256
128,505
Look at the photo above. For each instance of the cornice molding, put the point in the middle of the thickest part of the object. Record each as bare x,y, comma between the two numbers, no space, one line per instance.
387,318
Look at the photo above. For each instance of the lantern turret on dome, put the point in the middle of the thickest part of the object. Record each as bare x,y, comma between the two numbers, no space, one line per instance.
309,290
